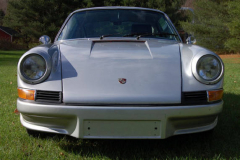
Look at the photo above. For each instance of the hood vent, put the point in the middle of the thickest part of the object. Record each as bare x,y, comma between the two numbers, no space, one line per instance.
48,96
199,97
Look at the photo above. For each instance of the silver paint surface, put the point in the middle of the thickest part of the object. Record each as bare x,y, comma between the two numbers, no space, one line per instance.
45,39
54,81
189,82
173,120
91,71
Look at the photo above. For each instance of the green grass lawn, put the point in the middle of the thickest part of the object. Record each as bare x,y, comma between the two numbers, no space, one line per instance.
222,143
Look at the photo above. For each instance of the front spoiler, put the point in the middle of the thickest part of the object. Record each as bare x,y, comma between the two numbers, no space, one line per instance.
120,122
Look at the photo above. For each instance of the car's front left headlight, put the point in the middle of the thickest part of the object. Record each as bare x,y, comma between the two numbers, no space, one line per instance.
207,69
34,68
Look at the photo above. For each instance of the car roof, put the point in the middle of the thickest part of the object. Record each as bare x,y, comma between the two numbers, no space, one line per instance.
117,7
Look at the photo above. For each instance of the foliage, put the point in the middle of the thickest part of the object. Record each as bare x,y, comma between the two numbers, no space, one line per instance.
35,18
232,42
2,14
222,143
8,45
208,27
216,24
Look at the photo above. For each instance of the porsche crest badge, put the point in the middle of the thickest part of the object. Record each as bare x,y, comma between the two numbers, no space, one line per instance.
122,80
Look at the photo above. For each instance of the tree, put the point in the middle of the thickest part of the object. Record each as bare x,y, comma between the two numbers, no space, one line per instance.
35,18
216,24
232,43
1,17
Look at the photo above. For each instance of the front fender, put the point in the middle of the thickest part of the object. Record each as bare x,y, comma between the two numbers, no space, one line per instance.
189,82
54,80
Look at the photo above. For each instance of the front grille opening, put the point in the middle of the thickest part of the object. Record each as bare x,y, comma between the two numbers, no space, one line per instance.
199,97
48,96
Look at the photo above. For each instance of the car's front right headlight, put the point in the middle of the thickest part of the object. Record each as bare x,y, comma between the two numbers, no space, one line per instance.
34,68
207,69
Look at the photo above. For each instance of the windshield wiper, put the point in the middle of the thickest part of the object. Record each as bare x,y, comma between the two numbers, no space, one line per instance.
139,35
107,35
135,34
156,34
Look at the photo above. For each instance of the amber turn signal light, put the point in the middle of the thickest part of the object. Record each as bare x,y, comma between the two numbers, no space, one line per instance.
26,94
215,95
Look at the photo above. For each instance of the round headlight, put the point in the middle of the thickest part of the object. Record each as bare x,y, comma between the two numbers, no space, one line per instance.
208,69
33,67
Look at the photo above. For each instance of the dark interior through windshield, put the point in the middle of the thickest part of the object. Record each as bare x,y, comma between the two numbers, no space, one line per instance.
117,23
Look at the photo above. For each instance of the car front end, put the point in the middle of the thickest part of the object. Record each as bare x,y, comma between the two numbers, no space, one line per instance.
139,81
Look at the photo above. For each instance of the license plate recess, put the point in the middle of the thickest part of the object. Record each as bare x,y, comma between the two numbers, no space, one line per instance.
121,129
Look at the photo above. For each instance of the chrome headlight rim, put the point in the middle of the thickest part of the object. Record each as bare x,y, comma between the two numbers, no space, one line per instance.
195,71
47,72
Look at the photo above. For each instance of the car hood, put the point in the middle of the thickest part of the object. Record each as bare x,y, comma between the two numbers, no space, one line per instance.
94,72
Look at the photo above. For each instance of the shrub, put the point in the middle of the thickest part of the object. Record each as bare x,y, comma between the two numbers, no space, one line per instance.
7,45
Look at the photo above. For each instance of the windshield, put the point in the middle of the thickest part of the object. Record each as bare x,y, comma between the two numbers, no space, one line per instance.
117,23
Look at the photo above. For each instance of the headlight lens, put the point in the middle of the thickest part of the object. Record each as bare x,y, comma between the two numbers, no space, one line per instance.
33,67
209,67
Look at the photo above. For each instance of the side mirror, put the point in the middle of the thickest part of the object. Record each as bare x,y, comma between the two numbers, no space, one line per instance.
45,39
191,40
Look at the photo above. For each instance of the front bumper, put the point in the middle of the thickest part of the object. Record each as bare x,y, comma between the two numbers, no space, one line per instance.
135,122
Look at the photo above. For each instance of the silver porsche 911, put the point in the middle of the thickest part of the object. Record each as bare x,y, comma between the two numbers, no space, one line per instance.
119,72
